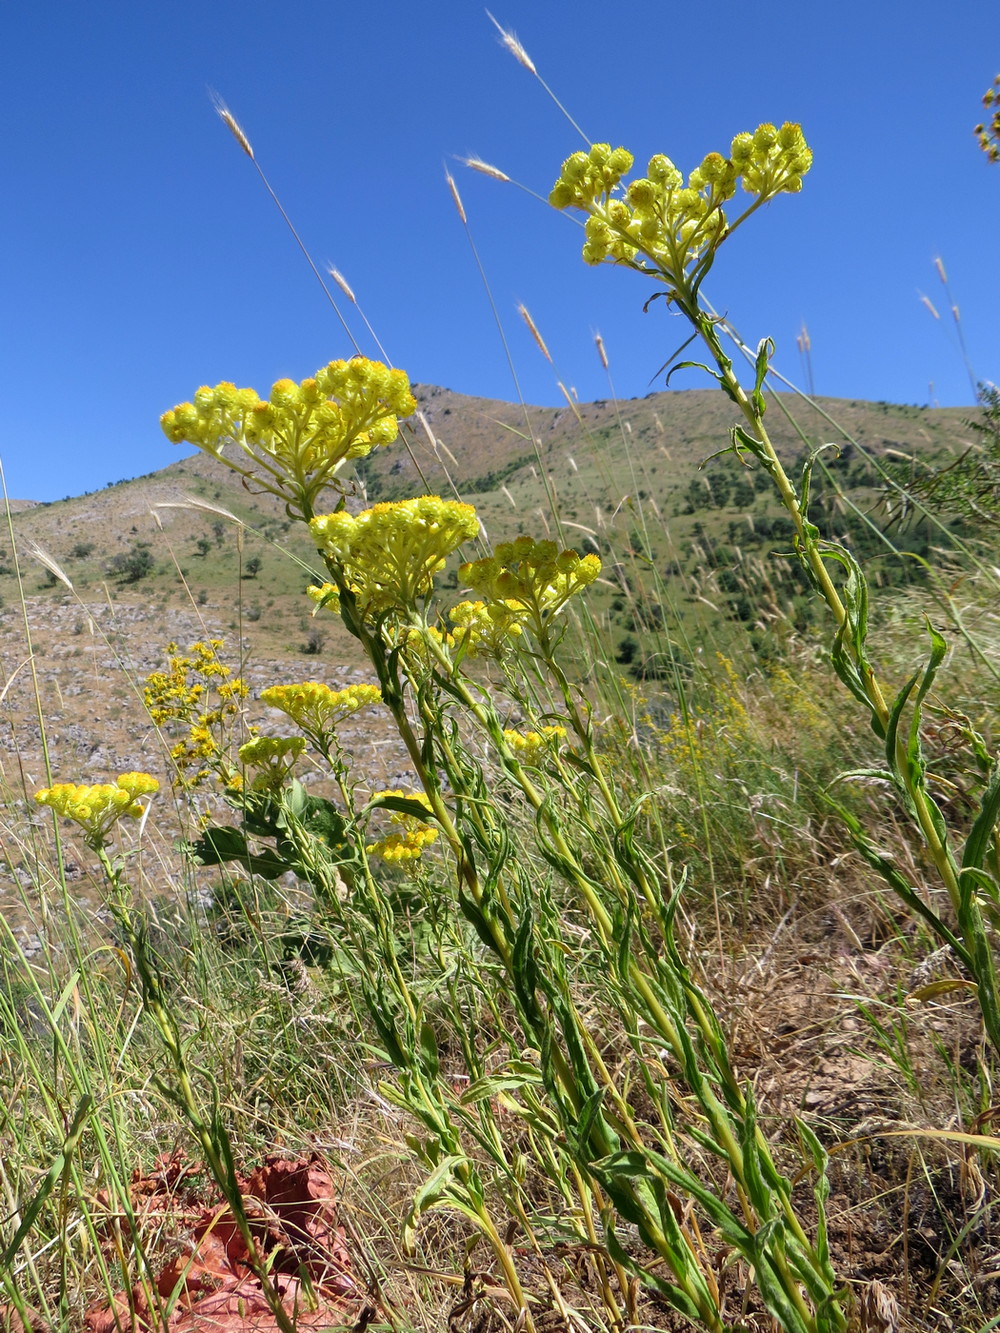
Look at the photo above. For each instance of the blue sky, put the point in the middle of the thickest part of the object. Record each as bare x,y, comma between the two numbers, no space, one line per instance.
141,256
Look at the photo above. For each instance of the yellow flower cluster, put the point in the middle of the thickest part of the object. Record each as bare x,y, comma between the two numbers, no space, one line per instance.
485,630
989,134
530,579
315,708
97,809
183,694
299,437
325,596
272,758
390,553
531,747
664,221
707,734
415,836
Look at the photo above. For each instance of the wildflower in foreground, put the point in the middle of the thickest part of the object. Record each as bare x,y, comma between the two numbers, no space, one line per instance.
304,433
98,808
659,224
389,554
271,759
532,579
409,844
316,709
486,630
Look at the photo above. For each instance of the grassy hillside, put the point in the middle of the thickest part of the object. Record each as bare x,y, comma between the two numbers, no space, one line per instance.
624,478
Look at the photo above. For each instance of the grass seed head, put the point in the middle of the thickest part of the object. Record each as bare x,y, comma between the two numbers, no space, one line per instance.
511,43
234,127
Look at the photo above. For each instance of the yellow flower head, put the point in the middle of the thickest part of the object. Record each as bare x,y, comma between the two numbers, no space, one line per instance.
486,630
299,438
531,747
183,695
315,708
530,579
409,844
390,554
325,596
98,808
272,758
658,223
401,847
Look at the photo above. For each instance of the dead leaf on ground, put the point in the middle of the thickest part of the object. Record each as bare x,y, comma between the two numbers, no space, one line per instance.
211,1287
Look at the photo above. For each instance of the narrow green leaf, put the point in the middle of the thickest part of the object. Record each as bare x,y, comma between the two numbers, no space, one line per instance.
978,842
52,1176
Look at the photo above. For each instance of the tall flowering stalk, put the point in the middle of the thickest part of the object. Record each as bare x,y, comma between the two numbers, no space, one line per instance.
671,232
624,1168
97,810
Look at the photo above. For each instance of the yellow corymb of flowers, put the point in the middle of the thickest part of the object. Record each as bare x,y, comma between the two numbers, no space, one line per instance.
486,630
532,579
315,708
183,695
409,844
271,759
389,554
98,808
662,225
299,437
531,747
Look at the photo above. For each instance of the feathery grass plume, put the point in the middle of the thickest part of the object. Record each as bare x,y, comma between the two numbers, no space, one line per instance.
522,310
509,41
601,351
49,563
196,503
233,125
342,283
484,168
456,197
